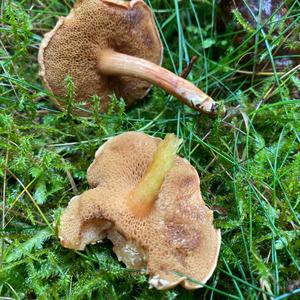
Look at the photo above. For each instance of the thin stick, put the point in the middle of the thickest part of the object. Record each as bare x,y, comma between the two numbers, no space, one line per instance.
23,216
189,67
258,73
31,198
70,177
67,4
269,93
3,209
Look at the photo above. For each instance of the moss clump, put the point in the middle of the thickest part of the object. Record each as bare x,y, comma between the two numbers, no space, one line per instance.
248,161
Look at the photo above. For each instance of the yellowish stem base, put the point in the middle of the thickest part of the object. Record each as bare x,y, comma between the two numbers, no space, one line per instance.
142,198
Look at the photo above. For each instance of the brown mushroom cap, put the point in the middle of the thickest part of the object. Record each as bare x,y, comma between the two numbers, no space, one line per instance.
177,236
70,49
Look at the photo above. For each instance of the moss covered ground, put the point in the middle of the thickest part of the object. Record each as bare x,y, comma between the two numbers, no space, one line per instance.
248,160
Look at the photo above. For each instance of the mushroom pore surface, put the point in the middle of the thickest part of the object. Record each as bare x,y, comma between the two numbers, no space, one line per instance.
71,48
177,237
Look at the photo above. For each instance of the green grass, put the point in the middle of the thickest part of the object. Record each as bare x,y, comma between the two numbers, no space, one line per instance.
248,160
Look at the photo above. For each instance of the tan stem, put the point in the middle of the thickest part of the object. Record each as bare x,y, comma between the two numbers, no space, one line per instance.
115,63
143,196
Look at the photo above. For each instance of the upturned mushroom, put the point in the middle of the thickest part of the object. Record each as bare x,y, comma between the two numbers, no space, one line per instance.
147,201
111,46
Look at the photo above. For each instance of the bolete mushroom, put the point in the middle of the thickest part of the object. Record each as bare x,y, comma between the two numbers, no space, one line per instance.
147,201
111,46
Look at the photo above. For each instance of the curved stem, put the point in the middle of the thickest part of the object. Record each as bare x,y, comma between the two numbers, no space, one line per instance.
115,63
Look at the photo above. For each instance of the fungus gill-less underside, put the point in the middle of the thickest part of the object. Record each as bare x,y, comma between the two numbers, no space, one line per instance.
176,235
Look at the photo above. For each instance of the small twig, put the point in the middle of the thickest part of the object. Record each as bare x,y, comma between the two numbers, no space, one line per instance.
189,67
3,208
23,216
222,167
19,197
270,92
72,143
206,135
70,177
69,6
262,73
30,197
42,112
210,164
39,98
222,211
226,124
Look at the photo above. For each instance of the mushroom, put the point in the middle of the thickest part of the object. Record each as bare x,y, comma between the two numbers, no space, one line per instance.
111,46
147,201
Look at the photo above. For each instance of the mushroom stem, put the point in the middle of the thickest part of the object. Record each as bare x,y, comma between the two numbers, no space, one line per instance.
142,198
111,62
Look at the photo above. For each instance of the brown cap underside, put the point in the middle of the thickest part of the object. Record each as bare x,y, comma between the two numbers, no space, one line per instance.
70,49
177,236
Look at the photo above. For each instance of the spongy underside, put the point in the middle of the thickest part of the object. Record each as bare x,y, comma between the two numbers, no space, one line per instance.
70,49
178,235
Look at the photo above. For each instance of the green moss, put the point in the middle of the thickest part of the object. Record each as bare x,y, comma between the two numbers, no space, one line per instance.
248,161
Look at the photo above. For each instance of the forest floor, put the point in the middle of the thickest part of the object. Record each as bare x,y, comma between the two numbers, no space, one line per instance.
248,160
